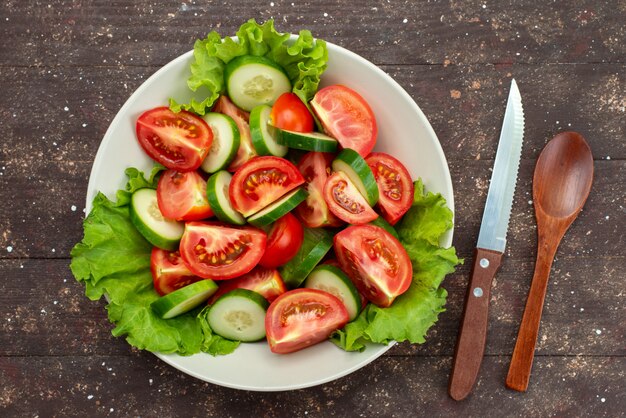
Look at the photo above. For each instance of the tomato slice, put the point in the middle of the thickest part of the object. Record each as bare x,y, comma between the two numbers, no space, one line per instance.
246,150
262,181
288,112
182,196
217,251
283,241
347,117
313,212
169,272
302,317
375,261
345,200
179,141
266,282
394,185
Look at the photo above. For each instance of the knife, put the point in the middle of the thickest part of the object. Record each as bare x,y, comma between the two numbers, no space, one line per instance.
489,250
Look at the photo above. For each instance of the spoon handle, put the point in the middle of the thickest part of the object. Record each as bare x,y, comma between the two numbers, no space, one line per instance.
524,352
473,331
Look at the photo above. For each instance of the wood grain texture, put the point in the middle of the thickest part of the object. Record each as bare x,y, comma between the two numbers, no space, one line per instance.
66,68
142,385
470,344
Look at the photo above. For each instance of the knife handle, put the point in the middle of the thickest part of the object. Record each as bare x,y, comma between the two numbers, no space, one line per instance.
473,331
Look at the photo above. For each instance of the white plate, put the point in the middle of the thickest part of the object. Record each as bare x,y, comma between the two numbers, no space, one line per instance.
404,132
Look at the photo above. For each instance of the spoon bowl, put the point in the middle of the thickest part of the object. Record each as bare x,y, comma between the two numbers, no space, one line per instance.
561,185
563,176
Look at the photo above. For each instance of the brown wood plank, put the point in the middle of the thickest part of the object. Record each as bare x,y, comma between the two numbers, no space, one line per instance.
39,221
144,33
141,385
465,105
48,310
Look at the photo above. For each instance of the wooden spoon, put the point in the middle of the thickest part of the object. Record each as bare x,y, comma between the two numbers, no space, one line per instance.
561,184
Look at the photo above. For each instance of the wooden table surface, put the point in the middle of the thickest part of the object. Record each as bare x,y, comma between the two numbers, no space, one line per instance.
66,68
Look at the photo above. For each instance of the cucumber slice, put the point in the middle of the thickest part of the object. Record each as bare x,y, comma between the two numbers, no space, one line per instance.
310,141
239,315
219,200
225,142
354,166
317,242
334,281
149,221
263,134
279,208
184,299
253,80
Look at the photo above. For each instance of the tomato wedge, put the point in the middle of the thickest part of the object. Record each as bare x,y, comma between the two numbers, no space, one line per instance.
302,317
347,117
213,250
394,186
375,261
246,150
182,196
266,282
169,272
262,181
283,241
345,200
313,212
288,112
179,141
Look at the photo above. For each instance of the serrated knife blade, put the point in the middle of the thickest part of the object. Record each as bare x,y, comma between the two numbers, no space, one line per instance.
492,235
489,249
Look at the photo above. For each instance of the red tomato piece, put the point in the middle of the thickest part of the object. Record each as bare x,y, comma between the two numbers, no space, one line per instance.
169,273
213,250
300,318
179,141
262,181
266,282
288,112
313,212
283,241
182,196
246,150
394,186
375,261
347,117
345,200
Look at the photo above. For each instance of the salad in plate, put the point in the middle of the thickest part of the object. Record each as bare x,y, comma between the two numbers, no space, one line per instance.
266,216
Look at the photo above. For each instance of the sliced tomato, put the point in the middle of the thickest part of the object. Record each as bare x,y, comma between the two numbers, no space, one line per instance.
375,261
182,196
313,212
347,117
302,317
395,188
213,250
169,272
262,181
288,112
345,200
283,241
179,141
266,282
246,150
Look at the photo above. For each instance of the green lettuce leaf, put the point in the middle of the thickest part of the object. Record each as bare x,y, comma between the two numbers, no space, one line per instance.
304,61
113,259
416,310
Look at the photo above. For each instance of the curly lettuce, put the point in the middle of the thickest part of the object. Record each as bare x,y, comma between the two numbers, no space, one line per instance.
304,61
113,259
416,310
